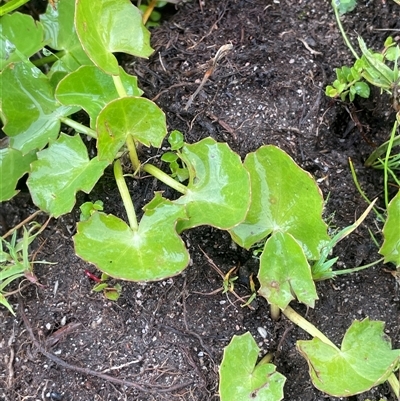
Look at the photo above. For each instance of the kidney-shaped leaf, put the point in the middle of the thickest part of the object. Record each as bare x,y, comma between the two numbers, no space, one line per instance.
285,273
15,29
241,378
91,88
219,187
135,116
284,197
60,172
364,361
391,232
13,165
31,112
109,26
153,252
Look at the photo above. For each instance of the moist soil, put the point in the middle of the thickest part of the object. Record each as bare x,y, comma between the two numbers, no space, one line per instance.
168,337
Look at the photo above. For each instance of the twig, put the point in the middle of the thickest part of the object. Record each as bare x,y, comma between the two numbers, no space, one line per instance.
90,372
306,45
27,220
10,376
220,54
218,270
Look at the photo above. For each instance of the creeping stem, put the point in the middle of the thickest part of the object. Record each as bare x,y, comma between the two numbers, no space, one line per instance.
165,178
126,197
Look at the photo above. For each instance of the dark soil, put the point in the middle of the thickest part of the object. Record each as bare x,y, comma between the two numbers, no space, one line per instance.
269,89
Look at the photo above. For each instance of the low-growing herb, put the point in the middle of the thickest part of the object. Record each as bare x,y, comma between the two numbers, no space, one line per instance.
15,261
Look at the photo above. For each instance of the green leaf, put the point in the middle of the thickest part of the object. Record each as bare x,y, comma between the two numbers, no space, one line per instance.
4,302
362,89
60,172
393,53
91,89
284,198
13,165
219,187
60,31
109,26
285,272
99,287
153,252
135,116
391,232
88,208
241,378
169,157
330,91
364,360
32,115
176,140
20,38
345,6
340,87
377,72
113,293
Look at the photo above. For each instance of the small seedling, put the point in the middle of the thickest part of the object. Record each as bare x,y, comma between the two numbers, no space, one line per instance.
110,292
15,261
242,378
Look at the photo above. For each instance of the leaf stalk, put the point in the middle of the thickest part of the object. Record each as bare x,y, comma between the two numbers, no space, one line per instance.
165,178
78,127
345,38
126,197
299,320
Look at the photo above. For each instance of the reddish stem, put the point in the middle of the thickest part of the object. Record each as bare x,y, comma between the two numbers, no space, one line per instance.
92,276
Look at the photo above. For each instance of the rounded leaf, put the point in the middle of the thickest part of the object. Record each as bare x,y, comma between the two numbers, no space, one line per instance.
60,172
284,198
153,252
241,378
108,26
219,187
91,88
135,116
362,89
364,360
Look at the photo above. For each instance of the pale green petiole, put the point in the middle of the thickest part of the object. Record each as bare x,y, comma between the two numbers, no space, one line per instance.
49,59
119,86
11,6
79,127
394,383
165,178
130,143
126,197
299,320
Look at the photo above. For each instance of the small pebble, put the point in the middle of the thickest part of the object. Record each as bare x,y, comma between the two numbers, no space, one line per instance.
263,333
